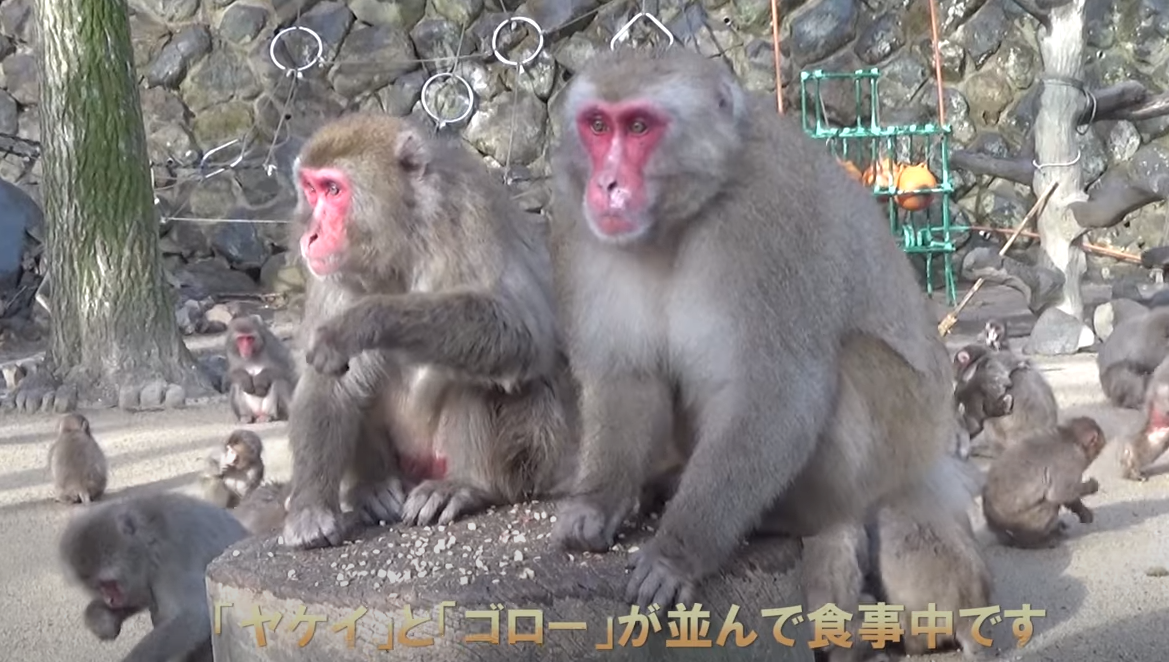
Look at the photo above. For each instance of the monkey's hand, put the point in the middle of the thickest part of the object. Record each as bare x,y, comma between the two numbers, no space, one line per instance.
332,348
1091,486
243,380
103,621
313,526
380,503
658,579
442,502
261,383
586,525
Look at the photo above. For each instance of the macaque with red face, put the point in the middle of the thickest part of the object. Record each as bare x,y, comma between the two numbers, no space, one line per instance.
1152,439
260,370
436,383
726,287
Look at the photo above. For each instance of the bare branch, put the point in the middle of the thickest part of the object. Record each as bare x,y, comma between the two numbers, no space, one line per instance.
1115,197
1155,106
1018,170
1110,101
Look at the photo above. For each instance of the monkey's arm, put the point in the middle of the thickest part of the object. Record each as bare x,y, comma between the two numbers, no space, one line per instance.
1081,511
241,378
181,619
1065,486
478,332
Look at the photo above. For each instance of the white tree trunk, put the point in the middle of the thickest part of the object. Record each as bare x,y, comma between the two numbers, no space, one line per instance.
1057,153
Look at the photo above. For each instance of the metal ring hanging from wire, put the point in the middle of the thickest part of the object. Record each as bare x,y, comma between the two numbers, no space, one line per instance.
438,119
623,33
531,56
312,62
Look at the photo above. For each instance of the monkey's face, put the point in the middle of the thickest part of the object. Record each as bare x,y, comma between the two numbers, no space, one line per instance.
327,194
108,568
73,423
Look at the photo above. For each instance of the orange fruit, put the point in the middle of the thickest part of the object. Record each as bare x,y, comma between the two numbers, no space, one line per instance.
915,178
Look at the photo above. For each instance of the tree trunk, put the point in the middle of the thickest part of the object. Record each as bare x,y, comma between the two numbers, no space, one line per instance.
113,324
1056,151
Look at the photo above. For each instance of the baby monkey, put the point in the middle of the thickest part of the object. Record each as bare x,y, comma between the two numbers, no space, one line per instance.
235,471
994,335
78,465
1031,481
1150,442
149,553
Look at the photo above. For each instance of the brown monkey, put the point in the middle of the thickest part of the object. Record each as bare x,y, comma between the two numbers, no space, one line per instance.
687,293
926,553
260,370
431,332
263,510
981,387
1151,441
149,553
1029,482
994,335
78,465
236,470
1003,392
1138,344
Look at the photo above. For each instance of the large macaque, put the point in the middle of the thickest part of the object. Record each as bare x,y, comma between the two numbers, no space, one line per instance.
1151,441
436,384
803,387
77,464
149,553
1030,482
1134,349
260,370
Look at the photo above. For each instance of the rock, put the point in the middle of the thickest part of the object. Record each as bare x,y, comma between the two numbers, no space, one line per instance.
22,78
128,398
574,53
401,14
988,94
178,56
490,127
384,43
398,99
185,239
1038,285
171,11
1018,63
240,244
507,559
152,394
1099,27
821,29
203,278
1057,333
464,12
242,23
880,39
983,33
18,20
436,38
952,13
550,14
175,397
219,77
953,61
957,116
282,273
47,402
148,36
215,367
18,212
9,114
7,46
1108,315
260,189
221,124
65,399
313,104
219,313
189,317
1121,140
331,20
213,197
901,77
287,10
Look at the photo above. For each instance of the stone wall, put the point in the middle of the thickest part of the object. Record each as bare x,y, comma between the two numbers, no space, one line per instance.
207,78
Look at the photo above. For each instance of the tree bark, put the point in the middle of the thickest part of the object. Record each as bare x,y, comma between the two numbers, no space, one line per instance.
113,322
1061,48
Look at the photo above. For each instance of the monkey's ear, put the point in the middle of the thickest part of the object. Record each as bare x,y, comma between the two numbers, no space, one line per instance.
412,154
962,358
256,318
127,524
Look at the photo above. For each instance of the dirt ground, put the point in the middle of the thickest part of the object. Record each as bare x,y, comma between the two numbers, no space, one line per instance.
1100,601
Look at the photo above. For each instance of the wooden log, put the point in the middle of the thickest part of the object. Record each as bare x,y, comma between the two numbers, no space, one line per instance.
1018,170
1110,101
1115,197
496,563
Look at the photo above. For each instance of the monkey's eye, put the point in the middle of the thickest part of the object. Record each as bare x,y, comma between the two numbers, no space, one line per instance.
333,188
638,126
599,125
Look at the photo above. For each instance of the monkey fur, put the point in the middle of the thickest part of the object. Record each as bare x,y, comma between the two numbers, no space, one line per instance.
437,385
262,511
1152,439
694,314
260,370
1130,354
236,470
1003,393
994,335
981,387
149,553
79,467
1031,481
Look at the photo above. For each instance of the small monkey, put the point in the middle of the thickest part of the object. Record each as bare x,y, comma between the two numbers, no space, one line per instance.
236,470
693,317
263,510
1151,441
149,553
78,465
1130,354
260,370
436,384
981,387
1004,393
1031,481
994,335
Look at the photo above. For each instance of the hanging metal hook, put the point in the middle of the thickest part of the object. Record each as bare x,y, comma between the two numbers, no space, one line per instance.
313,61
531,56
623,33
443,121
233,163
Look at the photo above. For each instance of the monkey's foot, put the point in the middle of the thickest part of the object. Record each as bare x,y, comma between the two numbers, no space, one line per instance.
380,503
584,525
1086,517
308,528
657,579
246,419
263,418
329,354
442,502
